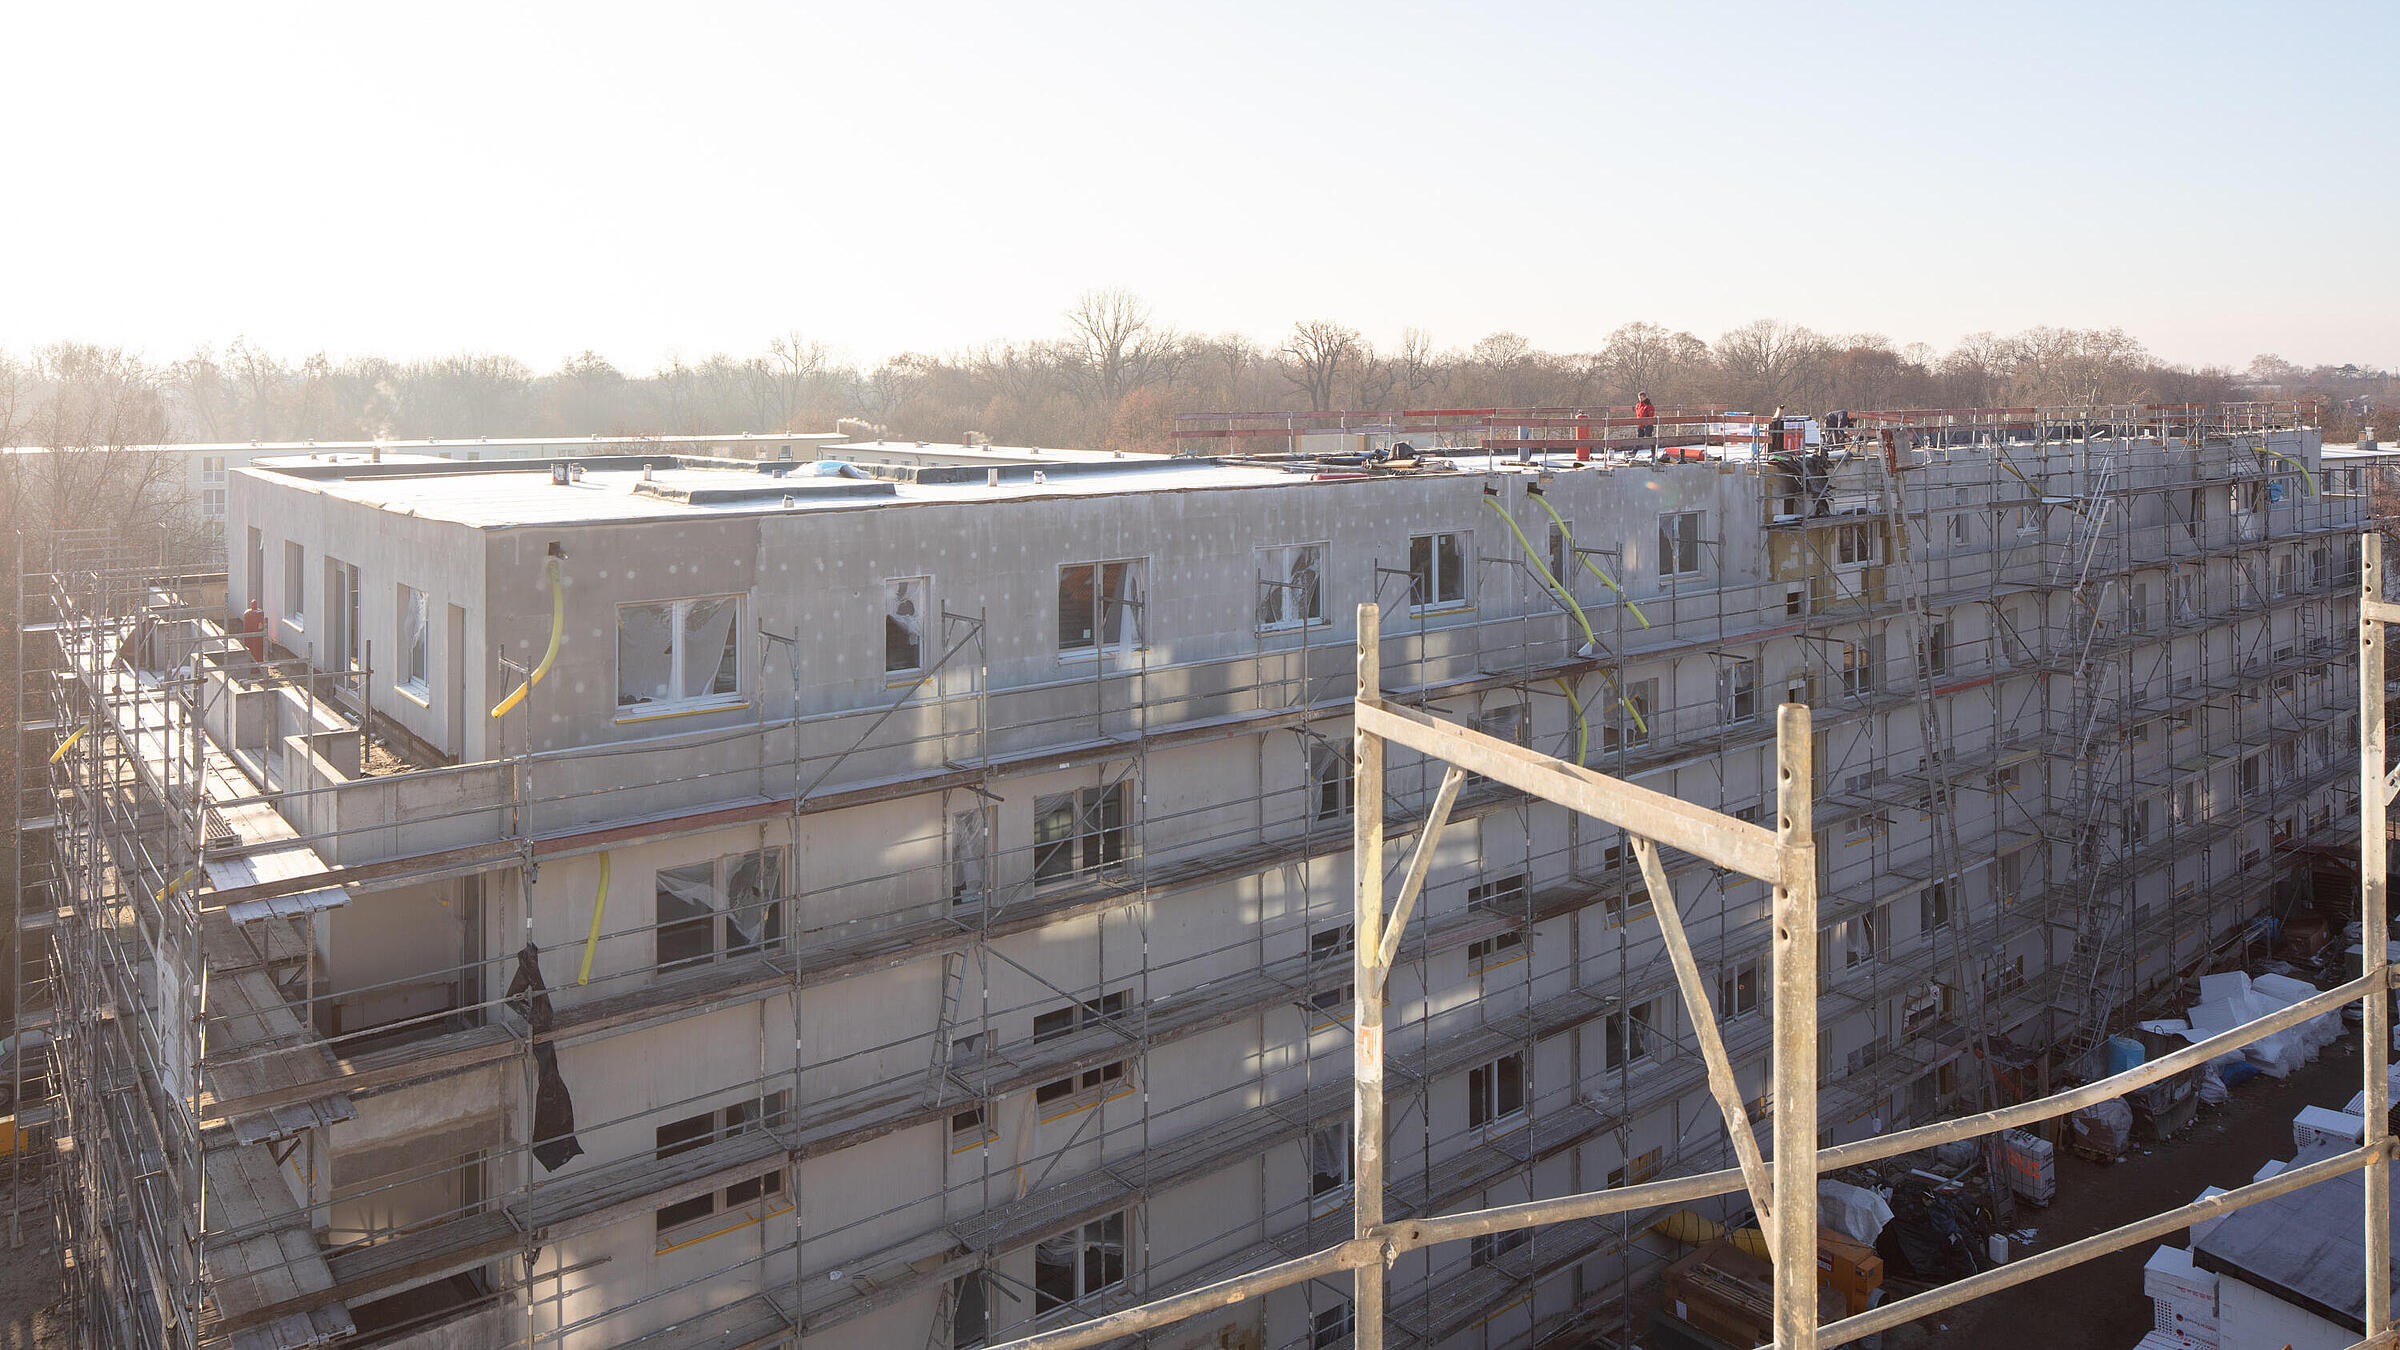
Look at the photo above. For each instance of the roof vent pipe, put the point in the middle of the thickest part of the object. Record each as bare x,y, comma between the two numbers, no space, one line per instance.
991,477
647,476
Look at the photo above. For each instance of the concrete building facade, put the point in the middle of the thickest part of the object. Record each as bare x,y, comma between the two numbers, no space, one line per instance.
911,909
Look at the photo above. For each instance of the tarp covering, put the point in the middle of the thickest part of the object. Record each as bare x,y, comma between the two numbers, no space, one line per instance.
555,1144
1852,1210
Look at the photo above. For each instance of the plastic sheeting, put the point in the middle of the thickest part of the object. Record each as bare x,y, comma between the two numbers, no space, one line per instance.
676,651
2104,1127
1851,1210
554,1141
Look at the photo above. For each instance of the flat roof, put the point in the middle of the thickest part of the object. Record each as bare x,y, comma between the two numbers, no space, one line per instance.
321,456
499,494
868,451
2307,1246
815,440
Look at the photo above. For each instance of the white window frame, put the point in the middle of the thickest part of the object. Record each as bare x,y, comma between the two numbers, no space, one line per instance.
1937,908
1679,556
1620,1047
1129,608
1328,1142
1853,545
752,1198
295,583
415,613
1097,1233
1738,990
1291,588
343,642
680,698
1090,849
1331,779
1737,689
1859,939
1437,593
907,608
1487,1098
723,919
1859,660
1629,719
1326,946
971,834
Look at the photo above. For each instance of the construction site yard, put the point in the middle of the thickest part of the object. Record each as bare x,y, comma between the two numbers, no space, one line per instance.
2099,1304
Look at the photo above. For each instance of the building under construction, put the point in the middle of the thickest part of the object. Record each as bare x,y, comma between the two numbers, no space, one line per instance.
643,902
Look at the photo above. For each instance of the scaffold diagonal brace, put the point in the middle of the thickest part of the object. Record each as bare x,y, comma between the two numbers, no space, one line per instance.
1721,1084
1420,861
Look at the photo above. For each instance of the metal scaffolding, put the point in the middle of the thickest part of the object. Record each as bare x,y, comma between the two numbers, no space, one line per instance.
243,1055
1785,1192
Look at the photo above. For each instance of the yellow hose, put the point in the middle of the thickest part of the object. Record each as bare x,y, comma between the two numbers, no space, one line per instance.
558,627
1568,536
1561,593
599,907
2306,475
1583,729
177,884
1542,571
67,744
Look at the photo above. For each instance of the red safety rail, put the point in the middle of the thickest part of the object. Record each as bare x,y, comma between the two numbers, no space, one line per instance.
1616,427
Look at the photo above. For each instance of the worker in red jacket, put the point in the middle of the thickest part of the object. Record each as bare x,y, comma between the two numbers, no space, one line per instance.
254,632
1647,413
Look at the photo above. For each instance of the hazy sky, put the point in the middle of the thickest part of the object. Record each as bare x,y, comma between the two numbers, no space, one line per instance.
420,178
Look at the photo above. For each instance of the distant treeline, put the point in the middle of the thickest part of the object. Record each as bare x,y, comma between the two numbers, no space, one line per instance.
1113,376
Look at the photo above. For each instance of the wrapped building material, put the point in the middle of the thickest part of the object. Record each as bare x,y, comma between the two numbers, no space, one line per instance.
2103,1128
1853,1211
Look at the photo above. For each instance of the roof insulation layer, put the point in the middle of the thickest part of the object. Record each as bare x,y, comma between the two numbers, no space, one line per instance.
491,496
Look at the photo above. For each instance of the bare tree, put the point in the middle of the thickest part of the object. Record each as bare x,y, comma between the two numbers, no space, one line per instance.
260,377
1114,349
1373,376
1644,357
587,396
1766,363
1415,366
201,401
1318,349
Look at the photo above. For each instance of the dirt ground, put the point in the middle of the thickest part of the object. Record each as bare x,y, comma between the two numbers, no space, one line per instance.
30,1288
2100,1305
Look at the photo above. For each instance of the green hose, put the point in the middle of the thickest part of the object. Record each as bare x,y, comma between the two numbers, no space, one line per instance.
1567,535
2306,476
1583,729
1544,572
1576,609
599,907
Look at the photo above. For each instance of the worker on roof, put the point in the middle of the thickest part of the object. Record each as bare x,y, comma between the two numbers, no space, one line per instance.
1647,413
